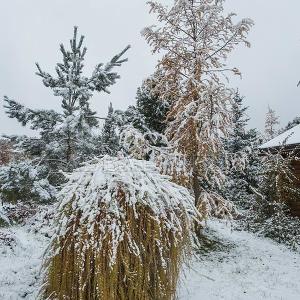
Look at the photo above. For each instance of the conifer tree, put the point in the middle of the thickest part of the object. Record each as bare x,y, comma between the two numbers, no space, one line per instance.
110,139
151,106
290,125
278,189
279,183
22,181
195,38
271,124
243,164
66,138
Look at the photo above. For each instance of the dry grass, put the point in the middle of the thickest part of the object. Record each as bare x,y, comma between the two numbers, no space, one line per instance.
145,265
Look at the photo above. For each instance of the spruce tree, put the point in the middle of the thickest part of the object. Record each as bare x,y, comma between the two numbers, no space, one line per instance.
243,158
110,139
153,107
290,125
66,137
278,189
271,124
23,181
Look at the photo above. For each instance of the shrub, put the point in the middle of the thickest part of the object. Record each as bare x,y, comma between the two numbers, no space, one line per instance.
269,214
123,231
273,220
26,183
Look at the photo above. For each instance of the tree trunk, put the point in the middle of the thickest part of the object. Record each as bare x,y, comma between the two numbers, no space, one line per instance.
197,193
196,187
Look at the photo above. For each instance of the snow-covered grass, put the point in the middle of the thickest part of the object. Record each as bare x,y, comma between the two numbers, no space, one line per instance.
250,268
241,266
20,261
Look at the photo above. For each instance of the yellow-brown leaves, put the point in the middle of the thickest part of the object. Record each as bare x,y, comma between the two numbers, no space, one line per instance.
82,271
123,232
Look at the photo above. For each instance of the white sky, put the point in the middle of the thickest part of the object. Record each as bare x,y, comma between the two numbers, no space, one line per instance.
32,30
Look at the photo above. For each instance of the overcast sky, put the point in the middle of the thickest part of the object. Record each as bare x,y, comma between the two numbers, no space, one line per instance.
31,31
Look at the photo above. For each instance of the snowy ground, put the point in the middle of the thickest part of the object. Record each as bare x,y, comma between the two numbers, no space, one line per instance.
252,269
241,266
20,261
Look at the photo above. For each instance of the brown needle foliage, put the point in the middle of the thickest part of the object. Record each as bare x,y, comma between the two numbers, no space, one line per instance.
195,38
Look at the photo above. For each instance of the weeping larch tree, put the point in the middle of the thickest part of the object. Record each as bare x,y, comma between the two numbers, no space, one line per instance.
195,39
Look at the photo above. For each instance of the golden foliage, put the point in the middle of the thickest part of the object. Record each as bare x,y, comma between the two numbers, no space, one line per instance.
132,253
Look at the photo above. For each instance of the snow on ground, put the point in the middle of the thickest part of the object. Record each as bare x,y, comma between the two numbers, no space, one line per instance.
20,261
241,266
253,268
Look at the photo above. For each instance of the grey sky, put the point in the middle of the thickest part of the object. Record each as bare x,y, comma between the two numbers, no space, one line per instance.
31,31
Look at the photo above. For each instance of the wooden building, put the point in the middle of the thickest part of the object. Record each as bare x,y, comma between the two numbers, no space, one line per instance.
288,141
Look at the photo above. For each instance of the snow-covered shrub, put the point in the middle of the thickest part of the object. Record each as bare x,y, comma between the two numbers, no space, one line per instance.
7,240
273,220
122,232
278,181
24,182
270,213
155,147
18,213
42,221
4,220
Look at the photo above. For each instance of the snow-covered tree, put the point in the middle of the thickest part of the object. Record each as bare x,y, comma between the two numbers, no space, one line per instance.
110,138
278,188
24,182
291,124
122,231
279,183
195,38
151,106
271,124
66,138
136,138
242,161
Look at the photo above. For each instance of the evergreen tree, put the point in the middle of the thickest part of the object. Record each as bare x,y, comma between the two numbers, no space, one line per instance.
279,183
153,107
271,124
23,181
110,139
277,189
291,124
243,157
66,138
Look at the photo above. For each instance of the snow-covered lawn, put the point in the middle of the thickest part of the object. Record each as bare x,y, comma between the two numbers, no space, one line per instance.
20,261
245,267
253,269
